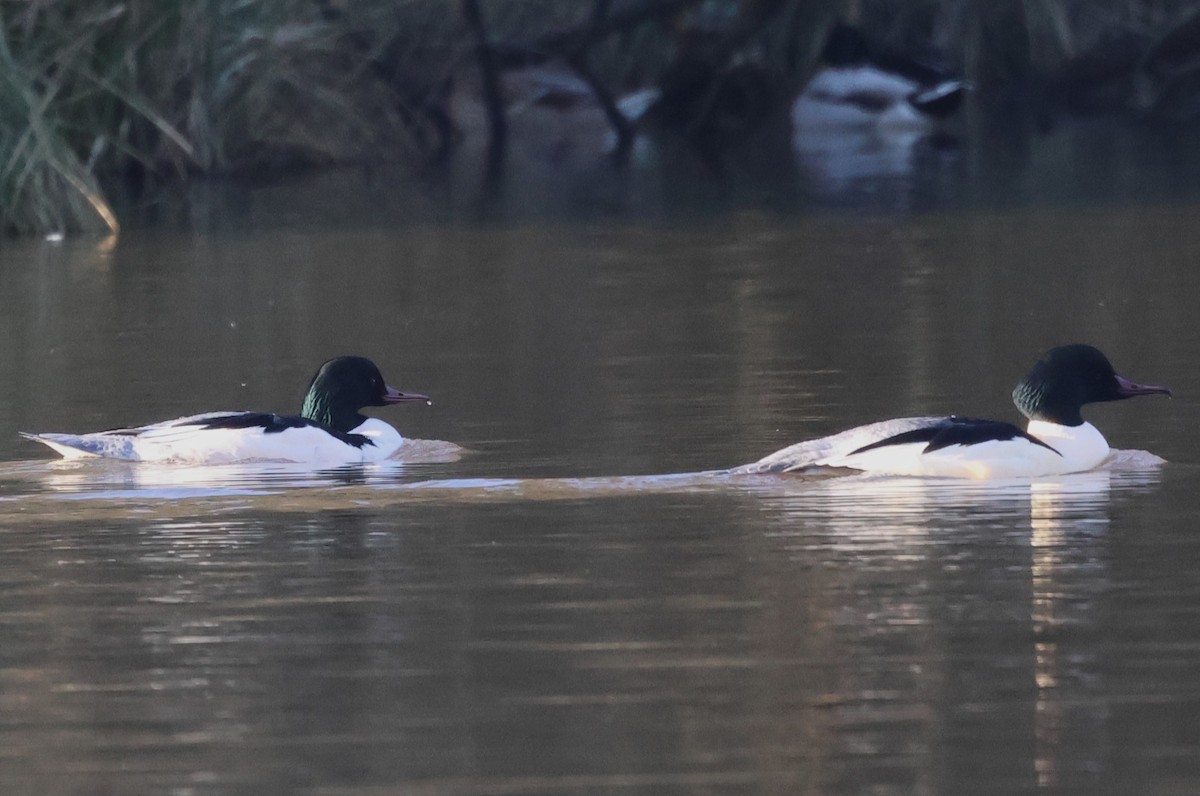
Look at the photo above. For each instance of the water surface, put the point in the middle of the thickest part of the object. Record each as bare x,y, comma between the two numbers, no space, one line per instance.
569,607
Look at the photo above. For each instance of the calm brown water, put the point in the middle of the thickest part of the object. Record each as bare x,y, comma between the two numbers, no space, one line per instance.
551,613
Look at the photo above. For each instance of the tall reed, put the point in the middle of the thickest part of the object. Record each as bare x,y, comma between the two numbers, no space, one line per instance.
92,92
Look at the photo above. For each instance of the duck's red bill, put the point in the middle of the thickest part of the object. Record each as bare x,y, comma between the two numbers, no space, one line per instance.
1128,389
394,396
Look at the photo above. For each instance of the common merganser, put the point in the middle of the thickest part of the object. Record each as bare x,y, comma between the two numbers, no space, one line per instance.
1056,441
329,430
854,90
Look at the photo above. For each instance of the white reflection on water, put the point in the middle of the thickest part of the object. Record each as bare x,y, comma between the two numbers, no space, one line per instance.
841,161
973,540
113,479
853,504
1068,522
894,584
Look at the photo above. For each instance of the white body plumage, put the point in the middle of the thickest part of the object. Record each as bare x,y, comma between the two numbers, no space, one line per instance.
189,440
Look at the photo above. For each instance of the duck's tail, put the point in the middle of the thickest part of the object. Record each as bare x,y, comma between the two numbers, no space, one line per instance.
70,446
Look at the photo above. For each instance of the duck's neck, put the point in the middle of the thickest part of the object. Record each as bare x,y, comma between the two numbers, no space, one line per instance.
1038,405
319,408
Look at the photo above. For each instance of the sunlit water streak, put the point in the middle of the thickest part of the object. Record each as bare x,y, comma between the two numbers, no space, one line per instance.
42,490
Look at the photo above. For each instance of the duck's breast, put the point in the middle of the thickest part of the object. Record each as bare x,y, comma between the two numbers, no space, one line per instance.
384,440
1083,447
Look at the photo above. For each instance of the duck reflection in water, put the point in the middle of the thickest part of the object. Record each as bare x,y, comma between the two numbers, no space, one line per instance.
960,610
865,116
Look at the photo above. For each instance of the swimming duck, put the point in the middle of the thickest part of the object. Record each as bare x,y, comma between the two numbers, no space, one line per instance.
1056,441
854,90
329,431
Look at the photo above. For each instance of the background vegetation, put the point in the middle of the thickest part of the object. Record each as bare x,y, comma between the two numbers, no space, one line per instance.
99,96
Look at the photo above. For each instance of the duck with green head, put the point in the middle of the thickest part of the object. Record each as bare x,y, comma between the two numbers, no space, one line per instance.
1057,440
329,431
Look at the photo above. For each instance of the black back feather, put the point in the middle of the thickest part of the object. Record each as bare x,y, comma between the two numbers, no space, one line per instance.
956,431
275,424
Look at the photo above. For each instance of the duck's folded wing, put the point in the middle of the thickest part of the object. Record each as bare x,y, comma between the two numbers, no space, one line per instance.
189,425
127,443
952,431
815,452
954,447
221,437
